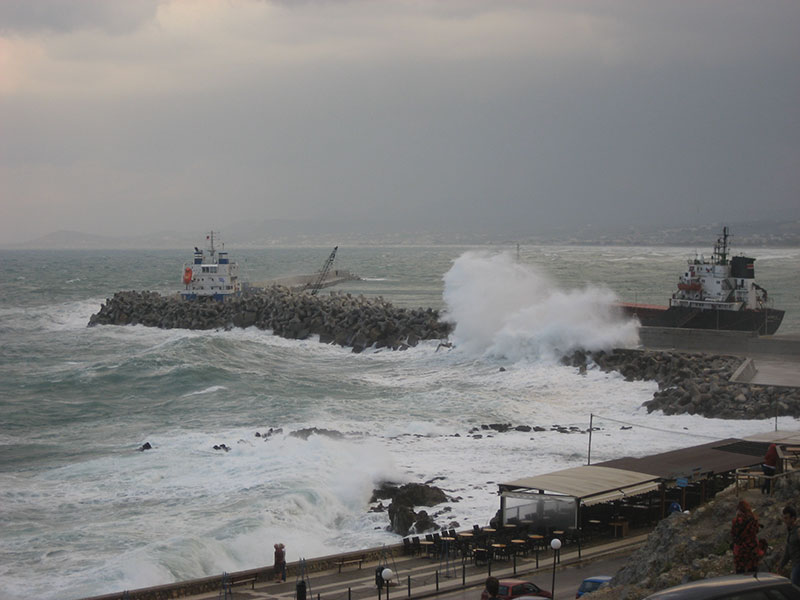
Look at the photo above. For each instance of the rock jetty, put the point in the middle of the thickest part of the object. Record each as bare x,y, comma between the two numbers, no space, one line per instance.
351,321
695,384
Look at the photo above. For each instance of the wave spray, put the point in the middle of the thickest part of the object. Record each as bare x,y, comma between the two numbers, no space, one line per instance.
508,310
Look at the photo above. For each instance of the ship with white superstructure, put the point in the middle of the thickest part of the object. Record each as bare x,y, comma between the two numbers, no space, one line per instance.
211,274
720,293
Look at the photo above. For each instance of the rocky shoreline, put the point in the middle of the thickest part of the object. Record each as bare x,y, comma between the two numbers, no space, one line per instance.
695,384
352,321
687,547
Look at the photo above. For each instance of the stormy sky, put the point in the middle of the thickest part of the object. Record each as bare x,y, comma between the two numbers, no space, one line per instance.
137,116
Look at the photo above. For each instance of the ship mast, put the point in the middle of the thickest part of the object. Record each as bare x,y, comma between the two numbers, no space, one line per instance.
721,248
210,237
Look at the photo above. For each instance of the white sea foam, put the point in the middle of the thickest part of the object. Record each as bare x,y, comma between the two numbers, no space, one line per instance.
84,513
208,390
510,310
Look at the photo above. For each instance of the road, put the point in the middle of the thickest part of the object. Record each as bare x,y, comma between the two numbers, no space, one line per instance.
567,579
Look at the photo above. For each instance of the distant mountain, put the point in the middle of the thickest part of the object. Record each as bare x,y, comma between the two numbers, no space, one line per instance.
77,240
287,232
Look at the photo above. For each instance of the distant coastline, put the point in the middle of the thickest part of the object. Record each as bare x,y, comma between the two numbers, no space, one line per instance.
764,234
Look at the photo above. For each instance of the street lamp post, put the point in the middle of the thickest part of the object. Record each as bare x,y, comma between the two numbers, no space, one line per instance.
555,544
386,575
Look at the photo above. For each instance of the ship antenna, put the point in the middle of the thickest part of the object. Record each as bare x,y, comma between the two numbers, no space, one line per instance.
724,255
211,239
721,248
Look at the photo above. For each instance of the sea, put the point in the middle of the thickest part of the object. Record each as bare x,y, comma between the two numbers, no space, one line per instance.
84,512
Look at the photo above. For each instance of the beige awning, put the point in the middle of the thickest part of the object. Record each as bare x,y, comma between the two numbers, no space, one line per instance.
620,494
590,484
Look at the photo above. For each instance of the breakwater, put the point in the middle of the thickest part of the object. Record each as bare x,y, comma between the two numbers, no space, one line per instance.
695,383
352,321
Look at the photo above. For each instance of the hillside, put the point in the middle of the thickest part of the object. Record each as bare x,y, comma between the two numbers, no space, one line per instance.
686,547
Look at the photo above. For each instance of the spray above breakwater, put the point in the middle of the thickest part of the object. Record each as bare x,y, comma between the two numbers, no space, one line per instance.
506,309
353,321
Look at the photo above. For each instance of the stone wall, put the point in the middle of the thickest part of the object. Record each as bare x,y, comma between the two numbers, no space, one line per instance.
353,321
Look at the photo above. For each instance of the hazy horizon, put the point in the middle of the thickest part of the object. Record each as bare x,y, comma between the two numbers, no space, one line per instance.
500,119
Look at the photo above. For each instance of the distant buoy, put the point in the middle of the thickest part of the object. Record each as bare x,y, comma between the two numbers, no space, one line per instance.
187,275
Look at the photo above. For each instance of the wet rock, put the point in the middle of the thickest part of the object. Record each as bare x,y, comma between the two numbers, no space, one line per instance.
692,383
305,433
342,319
424,522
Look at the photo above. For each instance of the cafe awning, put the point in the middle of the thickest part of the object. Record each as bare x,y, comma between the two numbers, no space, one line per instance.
589,484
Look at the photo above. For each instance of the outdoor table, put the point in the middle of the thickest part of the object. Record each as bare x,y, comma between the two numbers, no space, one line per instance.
428,545
499,549
538,539
519,546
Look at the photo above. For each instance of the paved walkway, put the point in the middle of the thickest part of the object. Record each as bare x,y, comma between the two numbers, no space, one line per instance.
425,575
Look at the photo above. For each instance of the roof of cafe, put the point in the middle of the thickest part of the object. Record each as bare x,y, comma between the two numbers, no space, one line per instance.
590,484
705,460
629,476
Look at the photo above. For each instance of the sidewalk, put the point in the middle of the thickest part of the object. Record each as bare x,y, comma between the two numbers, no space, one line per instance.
359,584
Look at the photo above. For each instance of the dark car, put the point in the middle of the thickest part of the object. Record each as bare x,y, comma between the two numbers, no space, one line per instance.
514,588
590,584
758,586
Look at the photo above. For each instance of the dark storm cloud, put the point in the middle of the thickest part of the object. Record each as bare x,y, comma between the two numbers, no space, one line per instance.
496,117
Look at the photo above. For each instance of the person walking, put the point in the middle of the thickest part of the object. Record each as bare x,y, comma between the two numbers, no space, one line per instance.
792,551
744,532
280,562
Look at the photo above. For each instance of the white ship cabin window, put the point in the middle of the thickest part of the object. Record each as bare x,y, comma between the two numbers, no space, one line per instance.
210,269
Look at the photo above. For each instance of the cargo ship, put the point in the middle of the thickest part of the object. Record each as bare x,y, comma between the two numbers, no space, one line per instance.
720,293
213,275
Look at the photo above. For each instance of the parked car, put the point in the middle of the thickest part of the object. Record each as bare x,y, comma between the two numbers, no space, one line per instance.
742,587
590,584
518,588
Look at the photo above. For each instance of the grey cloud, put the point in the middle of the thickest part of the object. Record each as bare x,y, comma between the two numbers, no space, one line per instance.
21,17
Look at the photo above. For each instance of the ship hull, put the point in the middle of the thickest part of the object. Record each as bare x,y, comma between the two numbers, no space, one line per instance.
763,321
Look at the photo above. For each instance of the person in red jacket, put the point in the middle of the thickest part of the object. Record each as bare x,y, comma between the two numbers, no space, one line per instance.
744,532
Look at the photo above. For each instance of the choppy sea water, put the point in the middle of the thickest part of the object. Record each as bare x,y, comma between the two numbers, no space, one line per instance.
84,513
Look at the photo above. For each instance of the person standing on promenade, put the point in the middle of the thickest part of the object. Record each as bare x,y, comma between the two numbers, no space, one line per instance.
792,551
744,532
280,562
768,467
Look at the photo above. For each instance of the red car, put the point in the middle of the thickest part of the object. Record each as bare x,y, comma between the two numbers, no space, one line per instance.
514,588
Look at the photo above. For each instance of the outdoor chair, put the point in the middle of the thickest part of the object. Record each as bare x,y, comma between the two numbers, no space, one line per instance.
407,549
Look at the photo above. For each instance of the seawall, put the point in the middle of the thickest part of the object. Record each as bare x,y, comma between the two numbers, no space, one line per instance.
727,342
191,587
